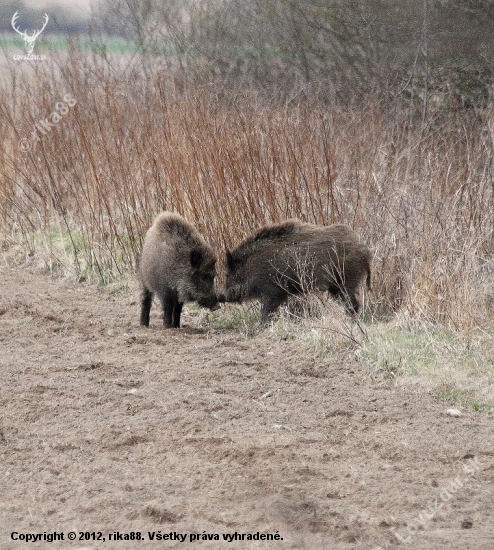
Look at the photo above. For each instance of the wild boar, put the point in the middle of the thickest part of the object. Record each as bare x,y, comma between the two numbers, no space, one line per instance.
178,265
293,258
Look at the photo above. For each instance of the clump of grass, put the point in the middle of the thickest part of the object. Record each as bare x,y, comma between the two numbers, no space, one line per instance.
466,399
319,323
245,318
457,367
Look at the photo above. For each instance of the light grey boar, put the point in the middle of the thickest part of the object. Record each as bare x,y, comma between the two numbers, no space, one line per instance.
178,265
293,258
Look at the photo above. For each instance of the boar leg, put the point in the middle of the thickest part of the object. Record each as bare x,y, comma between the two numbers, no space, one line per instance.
231,295
269,306
348,297
351,303
146,301
169,302
177,310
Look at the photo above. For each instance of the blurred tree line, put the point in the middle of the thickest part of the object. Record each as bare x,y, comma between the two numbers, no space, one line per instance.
427,51
430,50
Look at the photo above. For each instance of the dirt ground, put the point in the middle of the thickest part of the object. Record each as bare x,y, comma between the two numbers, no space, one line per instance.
106,426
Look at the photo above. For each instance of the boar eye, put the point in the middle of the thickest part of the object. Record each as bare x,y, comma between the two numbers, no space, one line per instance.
207,277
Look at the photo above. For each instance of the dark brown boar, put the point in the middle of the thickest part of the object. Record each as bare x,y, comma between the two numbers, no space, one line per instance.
178,265
294,258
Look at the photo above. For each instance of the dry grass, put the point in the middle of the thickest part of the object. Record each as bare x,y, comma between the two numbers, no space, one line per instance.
421,195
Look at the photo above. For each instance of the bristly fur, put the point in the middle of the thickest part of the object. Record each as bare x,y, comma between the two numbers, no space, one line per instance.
276,231
292,258
177,265
268,234
169,223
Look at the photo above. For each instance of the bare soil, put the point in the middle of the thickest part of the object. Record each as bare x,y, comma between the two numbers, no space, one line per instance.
106,426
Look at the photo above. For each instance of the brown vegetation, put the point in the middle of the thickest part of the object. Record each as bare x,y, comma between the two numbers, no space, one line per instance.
418,191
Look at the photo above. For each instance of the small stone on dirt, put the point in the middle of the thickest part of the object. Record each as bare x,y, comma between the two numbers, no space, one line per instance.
453,412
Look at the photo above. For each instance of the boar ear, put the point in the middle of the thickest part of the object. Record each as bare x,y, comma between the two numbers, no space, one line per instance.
229,259
195,258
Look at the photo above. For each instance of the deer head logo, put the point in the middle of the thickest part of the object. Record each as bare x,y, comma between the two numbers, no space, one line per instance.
29,40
